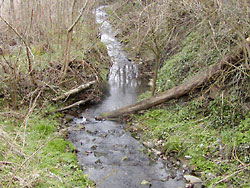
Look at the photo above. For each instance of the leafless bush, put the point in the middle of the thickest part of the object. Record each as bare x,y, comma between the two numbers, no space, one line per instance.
33,46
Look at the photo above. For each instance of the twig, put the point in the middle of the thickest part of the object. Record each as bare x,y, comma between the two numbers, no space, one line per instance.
58,177
236,156
73,105
25,122
6,162
79,16
236,172
26,160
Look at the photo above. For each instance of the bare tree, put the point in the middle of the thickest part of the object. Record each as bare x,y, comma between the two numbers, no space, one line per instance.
12,12
69,36
154,33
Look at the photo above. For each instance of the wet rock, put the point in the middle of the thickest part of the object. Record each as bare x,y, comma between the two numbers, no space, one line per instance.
156,152
145,182
80,126
104,135
166,178
194,181
179,176
99,154
92,132
124,158
88,152
98,162
93,147
177,163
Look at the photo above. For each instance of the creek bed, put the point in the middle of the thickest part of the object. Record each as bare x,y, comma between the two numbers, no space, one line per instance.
109,155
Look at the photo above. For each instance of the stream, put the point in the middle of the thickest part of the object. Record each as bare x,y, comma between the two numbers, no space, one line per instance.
108,154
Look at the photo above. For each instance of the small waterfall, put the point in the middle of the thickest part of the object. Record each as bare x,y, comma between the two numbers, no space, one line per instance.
123,75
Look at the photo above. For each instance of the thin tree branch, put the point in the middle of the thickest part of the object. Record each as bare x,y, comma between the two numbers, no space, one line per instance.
79,16
28,50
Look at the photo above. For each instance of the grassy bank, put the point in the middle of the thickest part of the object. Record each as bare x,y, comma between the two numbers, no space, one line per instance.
214,137
210,125
34,152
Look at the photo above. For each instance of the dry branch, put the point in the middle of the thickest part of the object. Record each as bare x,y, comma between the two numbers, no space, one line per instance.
74,91
28,50
74,105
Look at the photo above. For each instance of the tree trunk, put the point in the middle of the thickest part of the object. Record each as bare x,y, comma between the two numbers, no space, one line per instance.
12,12
69,38
168,95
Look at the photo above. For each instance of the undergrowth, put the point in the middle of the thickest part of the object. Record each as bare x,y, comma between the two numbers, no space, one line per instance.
217,138
193,55
36,154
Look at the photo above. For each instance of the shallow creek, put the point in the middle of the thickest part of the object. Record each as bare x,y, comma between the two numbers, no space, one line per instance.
109,155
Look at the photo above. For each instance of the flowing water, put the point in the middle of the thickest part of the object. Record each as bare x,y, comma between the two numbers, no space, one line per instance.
110,156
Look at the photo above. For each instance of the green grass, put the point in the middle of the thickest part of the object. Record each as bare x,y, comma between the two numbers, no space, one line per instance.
218,146
46,160
193,56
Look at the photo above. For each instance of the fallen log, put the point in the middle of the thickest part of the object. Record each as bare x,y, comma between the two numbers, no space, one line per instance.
74,105
168,95
183,89
74,91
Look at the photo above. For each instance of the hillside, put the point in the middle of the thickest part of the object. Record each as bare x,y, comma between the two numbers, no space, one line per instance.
208,128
